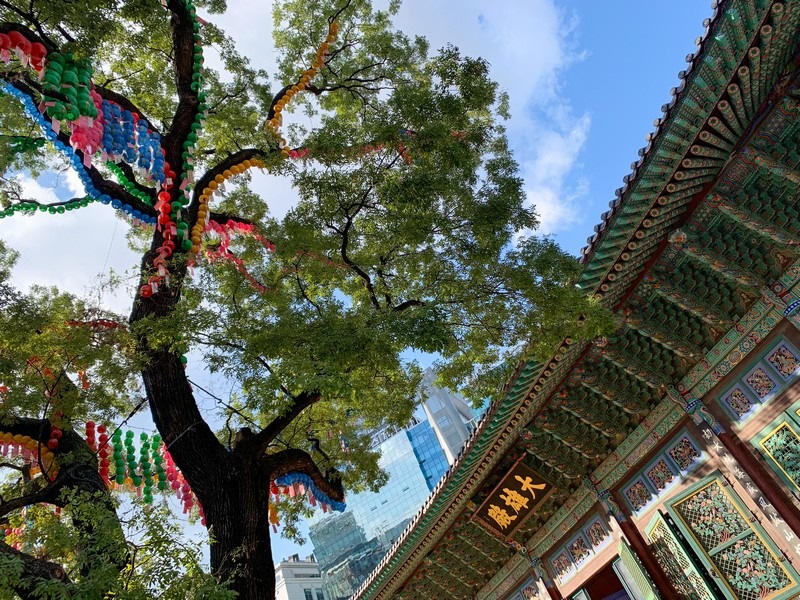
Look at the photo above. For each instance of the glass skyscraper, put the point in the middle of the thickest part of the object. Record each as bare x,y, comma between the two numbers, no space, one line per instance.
350,545
429,453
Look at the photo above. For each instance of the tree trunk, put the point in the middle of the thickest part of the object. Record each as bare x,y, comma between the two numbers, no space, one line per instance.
232,485
238,522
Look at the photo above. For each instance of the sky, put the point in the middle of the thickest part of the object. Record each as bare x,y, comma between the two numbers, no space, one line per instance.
586,80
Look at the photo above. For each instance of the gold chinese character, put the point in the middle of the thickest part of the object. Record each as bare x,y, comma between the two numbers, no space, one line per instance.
513,499
501,516
529,486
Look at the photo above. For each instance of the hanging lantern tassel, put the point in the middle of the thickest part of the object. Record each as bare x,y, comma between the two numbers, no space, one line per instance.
273,518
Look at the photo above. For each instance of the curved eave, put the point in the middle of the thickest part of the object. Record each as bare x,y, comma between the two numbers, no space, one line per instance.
702,86
487,444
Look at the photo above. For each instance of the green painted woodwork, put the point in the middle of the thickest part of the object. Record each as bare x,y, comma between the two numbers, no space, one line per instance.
716,525
779,444
645,587
644,353
701,291
573,432
679,566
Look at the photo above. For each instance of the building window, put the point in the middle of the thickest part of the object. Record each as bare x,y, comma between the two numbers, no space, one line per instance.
779,444
666,469
580,548
319,595
716,525
768,377
308,594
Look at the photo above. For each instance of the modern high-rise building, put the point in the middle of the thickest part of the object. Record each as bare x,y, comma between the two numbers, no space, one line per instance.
349,545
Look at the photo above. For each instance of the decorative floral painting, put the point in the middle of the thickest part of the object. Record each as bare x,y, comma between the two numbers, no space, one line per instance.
597,534
760,382
739,402
684,453
784,447
638,495
712,516
562,565
751,569
579,549
660,474
784,361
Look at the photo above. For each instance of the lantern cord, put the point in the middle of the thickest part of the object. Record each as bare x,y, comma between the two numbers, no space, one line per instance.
110,247
225,404
118,427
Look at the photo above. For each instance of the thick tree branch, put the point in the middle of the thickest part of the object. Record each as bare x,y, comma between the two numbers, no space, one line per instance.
103,185
48,493
301,402
224,219
130,175
42,37
183,61
229,161
294,460
201,457
407,304
34,571
78,473
24,83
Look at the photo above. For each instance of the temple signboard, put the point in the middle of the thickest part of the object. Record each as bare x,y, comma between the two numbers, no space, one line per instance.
514,499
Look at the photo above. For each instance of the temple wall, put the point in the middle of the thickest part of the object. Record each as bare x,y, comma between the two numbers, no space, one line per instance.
697,507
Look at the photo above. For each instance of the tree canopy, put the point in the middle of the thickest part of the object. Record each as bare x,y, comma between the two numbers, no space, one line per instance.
409,236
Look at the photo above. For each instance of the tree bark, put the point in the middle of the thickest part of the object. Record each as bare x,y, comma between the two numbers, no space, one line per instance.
241,551
231,486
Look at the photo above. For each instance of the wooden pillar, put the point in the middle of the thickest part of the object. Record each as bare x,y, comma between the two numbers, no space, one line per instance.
642,550
707,419
553,591
776,495
542,574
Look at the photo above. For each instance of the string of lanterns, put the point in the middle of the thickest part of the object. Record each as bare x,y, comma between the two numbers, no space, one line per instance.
274,123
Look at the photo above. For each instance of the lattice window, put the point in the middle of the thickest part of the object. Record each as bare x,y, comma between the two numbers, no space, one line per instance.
678,566
783,447
737,551
751,569
711,516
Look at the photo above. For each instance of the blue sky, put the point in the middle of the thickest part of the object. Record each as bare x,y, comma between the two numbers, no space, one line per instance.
587,78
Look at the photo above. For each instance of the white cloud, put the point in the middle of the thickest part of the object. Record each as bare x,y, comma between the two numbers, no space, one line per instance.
529,44
70,250
546,175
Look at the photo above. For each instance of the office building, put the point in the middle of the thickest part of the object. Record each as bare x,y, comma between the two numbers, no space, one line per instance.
297,579
350,545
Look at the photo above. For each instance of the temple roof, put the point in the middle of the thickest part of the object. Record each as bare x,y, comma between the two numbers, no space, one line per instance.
698,241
